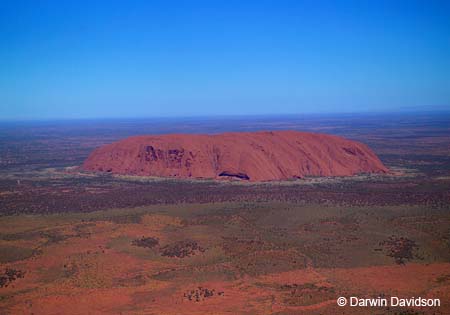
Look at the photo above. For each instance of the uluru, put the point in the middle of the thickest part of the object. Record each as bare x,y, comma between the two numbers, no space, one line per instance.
253,156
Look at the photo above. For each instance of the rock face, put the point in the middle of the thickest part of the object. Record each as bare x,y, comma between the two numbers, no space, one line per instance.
254,156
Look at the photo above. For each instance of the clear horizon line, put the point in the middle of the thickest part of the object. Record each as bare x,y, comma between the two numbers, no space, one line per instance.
199,116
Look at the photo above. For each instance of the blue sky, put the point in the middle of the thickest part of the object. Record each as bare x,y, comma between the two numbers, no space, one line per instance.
89,59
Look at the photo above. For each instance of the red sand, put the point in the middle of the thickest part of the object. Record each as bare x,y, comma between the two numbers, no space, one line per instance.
254,156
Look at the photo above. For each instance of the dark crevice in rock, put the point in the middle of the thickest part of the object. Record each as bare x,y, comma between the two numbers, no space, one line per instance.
237,175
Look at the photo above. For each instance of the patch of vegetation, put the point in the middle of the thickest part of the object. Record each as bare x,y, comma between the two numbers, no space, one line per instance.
26,235
53,236
201,294
9,276
14,253
181,249
146,242
400,248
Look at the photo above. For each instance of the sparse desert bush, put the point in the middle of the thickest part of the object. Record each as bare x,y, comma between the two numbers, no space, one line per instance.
400,248
201,294
9,276
146,242
181,249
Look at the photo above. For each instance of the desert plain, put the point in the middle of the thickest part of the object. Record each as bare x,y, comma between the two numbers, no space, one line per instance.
79,242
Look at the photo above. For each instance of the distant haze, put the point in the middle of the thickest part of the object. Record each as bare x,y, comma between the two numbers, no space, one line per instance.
106,59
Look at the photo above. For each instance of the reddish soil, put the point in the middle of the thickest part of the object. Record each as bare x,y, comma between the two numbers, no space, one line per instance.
254,156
